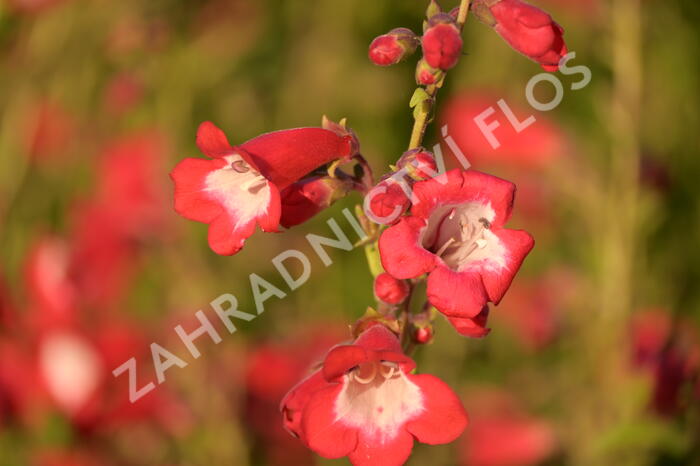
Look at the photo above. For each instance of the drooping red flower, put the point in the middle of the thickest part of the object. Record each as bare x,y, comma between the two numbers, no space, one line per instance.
442,42
455,234
365,404
238,187
526,28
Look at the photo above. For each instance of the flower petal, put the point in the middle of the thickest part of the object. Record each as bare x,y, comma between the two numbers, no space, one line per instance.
401,253
370,452
456,294
212,141
444,418
518,244
191,200
474,328
320,428
286,156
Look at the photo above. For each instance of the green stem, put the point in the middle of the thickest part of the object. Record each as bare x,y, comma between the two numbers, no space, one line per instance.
422,118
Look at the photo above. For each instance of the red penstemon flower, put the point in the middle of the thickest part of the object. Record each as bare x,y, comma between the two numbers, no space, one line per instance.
526,28
365,404
455,233
239,186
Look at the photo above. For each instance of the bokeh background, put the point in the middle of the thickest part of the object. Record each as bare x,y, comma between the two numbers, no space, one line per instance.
594,354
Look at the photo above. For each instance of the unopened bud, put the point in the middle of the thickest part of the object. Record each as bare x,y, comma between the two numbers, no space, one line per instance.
389,289
391,48
426,74
442,42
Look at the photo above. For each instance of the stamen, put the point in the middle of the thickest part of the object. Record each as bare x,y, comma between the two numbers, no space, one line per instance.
392,368
255,184
240,166
445,246
365,380
480,243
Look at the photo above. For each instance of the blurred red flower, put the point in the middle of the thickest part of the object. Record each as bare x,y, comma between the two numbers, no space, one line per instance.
534,148
272,368
670,353
503,434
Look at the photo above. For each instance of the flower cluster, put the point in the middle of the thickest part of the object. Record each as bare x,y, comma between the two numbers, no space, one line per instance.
365,401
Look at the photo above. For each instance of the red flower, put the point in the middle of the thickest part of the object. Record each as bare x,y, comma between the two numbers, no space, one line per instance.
271,369
389,289
540,145
365,404
455,233
503,434
389,49
442,43
526,28
239,187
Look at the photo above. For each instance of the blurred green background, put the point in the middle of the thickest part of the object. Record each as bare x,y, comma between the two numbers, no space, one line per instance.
615,217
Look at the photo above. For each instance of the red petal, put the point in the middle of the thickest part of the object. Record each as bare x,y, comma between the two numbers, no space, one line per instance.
518,244
212,141
402,255
444,418
297,398
286,156
474,328
370,451
379,338
460,186
456,294
271,221
322,431
225,237
343,358
190,200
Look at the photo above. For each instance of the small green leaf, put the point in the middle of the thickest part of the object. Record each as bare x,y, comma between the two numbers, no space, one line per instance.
419,96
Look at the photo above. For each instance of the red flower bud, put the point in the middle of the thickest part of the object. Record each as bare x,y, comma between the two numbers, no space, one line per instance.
442,42
304,199
426,74
390,290
527,29
423,335
389,49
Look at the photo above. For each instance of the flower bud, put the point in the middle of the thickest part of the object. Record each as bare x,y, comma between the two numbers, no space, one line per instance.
390,290
304,199
419,163
391,48
387,202
527,29
423,335
426,74
442,42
